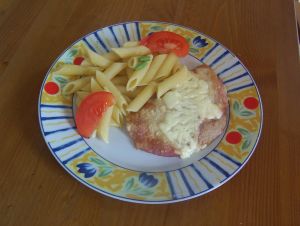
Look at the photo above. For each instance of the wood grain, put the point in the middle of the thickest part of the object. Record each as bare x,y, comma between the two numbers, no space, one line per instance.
35,190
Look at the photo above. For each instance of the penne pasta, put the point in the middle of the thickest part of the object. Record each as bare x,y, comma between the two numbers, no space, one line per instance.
129,72
113,123
172,82
139,72
131,44
81,49
138,102
111,56
114,69
86,88
117,115
97,59
80,95
95,86
127,98
129,94
134,93
154,67
120,80
166,68
103,128
132,62
86,62
125,52
70,69
176,67
104,82
75,85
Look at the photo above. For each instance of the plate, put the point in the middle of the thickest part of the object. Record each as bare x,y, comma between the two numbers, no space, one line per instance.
119,170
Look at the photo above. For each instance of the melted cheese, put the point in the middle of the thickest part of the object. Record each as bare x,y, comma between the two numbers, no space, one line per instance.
187,106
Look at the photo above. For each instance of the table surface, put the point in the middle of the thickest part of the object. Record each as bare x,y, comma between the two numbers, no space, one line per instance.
35,190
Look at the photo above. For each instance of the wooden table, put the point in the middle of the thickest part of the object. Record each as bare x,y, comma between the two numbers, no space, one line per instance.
35,190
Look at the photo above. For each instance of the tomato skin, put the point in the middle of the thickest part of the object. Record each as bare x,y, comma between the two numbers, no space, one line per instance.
91,110
166,42
144,41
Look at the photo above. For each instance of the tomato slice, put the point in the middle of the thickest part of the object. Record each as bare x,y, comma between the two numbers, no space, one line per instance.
91,110
166,42
144,41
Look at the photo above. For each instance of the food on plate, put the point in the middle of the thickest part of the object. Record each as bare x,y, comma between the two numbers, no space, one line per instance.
166,42
91,110
167,66
132,51
140,66
185,120
168,110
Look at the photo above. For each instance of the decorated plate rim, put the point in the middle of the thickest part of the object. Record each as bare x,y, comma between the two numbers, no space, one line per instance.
113,195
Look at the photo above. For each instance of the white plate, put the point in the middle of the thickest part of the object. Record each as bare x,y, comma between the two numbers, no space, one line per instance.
123,172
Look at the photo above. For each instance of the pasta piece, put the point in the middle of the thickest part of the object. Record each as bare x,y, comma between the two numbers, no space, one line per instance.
94,134
139,72
131,44
126,52
142,98
129,94
111,56
113,123
176,67
117,115
86,62
86,88
120,80
95,86
166,68
97,59
132,62
129,72
127,99
155,65
114,69
103,128
76,85
104,82
80,95
125,93
70,69
134,93
172,81
81,49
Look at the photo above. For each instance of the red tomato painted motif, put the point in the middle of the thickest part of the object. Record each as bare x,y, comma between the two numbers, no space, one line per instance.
78,60
51,88
233,137
251,103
